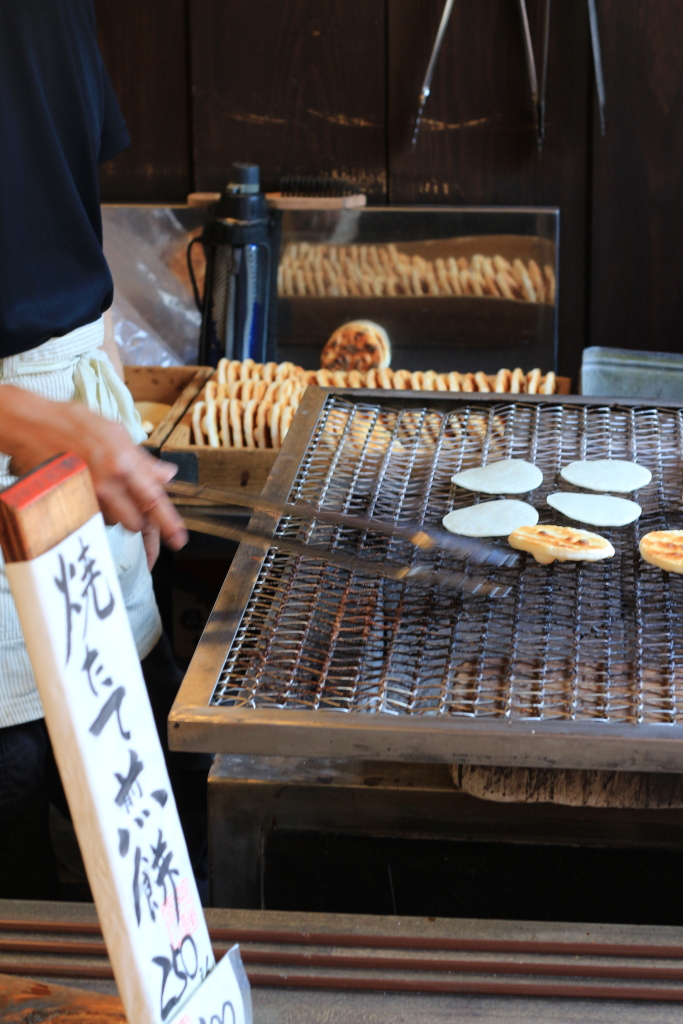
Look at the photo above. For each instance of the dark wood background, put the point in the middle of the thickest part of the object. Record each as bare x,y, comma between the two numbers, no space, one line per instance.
315,86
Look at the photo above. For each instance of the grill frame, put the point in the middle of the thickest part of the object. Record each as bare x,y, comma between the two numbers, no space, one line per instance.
196,725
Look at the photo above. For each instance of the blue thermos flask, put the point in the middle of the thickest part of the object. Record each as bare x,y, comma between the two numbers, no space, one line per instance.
240,243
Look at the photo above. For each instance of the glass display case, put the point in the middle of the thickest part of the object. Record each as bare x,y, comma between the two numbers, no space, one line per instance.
455,289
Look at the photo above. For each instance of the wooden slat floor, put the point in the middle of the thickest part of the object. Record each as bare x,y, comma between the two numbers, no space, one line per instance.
334,968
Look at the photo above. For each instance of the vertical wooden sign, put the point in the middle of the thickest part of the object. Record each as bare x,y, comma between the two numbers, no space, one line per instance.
106,746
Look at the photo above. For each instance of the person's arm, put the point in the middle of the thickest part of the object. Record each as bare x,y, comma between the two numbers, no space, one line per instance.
129,483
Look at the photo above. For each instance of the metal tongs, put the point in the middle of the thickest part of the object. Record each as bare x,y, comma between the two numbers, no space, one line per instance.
429,74
538,97
213,522
537,94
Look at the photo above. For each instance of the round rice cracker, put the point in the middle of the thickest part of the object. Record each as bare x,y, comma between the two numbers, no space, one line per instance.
402,380
225,423
383,338
247,392
561,543
491,518
506,476
358,345
210,424
618,475
233,371
286,418
284,371
274,414
235,416
285,390
197,416
663,548
247,367
249,422
262,432
595,509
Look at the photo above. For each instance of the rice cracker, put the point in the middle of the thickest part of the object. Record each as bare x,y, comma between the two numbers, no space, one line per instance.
663,548
564,543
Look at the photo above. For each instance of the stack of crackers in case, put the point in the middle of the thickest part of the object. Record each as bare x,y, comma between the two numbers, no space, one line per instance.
248,405
325,271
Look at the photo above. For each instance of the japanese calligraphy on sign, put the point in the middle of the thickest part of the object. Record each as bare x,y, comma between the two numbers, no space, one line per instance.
103,732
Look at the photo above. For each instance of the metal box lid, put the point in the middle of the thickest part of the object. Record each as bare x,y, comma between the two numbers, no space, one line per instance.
627,373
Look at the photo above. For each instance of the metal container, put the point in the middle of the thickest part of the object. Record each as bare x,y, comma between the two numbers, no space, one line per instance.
581,666
625,373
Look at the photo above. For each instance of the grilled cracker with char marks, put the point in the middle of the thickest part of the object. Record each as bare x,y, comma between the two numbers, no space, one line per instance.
359,345
663,548
564,543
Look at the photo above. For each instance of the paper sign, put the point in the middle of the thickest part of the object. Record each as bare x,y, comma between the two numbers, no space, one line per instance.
112,766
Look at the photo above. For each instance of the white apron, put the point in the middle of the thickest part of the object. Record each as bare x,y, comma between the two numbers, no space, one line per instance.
73,368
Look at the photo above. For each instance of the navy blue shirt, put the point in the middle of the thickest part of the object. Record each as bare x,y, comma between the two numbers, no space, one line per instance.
59,120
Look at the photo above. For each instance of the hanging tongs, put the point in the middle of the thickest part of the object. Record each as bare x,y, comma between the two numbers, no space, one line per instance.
597,62
216,521
531,69
427,84
538,96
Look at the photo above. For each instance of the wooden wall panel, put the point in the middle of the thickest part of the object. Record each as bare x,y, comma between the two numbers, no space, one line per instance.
637,208
477,143
144,44
297,86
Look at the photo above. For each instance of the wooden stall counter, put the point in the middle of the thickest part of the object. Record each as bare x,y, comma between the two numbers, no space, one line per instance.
334,968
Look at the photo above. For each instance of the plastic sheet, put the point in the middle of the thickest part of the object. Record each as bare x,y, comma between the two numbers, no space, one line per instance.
156,321
137,342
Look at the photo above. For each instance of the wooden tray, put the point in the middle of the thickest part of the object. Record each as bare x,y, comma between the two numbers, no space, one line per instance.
176,385
238,467
219,467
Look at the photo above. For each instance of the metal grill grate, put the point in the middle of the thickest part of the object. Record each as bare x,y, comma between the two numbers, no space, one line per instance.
571,641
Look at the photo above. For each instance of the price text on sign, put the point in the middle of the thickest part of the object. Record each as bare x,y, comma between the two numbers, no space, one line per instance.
112,765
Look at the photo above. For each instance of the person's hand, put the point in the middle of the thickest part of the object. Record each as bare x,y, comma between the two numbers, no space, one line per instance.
129,483
152,541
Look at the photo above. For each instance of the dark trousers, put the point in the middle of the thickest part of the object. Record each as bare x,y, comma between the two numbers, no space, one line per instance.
29,783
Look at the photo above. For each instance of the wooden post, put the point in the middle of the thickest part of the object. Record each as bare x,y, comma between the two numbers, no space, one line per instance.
106,746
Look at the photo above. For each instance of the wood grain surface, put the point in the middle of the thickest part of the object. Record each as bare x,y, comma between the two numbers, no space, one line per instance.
477,143
144,44
296,86
637,208
323,86
42,508
23,1001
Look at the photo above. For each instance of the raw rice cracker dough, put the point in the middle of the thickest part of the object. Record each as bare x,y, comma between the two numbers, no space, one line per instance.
607,475
595,509
564,543
507,476
491,518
